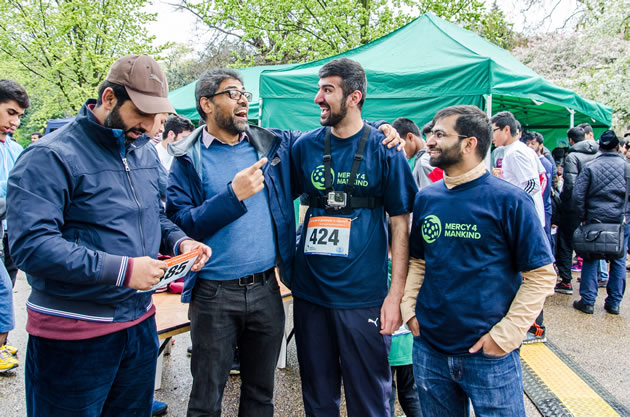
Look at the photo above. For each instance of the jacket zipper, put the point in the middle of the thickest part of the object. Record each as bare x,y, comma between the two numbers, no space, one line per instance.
135,196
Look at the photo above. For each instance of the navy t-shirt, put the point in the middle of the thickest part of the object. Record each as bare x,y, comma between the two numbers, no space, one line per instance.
358,280
475,239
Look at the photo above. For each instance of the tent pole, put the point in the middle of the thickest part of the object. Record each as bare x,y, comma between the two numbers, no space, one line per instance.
488,159
571,117
489,105
260,104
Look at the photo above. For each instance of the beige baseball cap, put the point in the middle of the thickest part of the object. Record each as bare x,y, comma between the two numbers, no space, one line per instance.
144,81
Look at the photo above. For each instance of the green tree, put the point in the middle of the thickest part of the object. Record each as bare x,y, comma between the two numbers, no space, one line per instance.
593,59
60,50
286,31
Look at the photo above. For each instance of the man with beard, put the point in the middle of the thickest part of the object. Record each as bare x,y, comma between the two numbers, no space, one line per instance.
471,314
215,196
343,313
87,235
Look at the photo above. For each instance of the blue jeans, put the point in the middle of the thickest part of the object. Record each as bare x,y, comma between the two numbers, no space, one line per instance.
111,375
446,383
616,278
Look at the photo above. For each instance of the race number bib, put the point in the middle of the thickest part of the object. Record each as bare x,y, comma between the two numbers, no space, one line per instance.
328,236
178,267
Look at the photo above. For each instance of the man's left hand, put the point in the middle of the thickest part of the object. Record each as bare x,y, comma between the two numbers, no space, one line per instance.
190,245
392,138
391,319
488,346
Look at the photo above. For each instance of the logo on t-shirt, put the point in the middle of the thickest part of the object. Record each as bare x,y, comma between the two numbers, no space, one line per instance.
317,177
431,228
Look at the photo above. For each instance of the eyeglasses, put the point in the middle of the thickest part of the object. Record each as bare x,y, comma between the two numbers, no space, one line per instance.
439,134
234,94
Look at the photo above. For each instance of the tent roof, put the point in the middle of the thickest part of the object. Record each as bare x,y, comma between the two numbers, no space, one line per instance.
431,58
183,98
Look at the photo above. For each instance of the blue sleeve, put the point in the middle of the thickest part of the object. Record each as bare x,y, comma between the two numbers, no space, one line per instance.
400,187
416,248
198,221
7,321
37,220
525,235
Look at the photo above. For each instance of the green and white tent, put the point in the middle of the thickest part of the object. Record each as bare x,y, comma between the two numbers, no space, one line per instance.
183,99
424,66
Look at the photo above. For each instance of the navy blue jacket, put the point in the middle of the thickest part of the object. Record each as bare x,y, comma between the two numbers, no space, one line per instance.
199,217
83,202
600,188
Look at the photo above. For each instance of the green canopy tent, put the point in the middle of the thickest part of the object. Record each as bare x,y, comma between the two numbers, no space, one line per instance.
183,99
424,66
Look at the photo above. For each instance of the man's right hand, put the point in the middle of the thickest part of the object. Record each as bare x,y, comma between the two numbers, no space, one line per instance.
249,181
414,326
146,273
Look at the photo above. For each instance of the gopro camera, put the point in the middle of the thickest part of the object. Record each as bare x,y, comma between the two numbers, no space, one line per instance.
337,200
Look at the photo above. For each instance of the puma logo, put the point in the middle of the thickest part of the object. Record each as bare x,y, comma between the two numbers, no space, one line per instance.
375,321
155,78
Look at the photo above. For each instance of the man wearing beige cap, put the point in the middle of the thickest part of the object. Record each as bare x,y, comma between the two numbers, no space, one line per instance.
88,238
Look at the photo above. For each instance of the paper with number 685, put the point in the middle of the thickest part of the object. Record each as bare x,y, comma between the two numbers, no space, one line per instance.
178,266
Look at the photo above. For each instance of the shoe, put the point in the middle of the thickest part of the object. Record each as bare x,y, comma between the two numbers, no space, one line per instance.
12,349
189,350
564,288
158,408
7,361
611,309
576,268
602,283
584,308
539,336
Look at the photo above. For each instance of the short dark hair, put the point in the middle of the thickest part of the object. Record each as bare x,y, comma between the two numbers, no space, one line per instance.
209,82
10,90
404,126
352,76
505,118
586,127
427,128
39,134
471,121
119,92
176,124
558,154
576,134
529,136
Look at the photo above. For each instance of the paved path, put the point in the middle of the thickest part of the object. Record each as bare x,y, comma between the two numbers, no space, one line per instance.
598,343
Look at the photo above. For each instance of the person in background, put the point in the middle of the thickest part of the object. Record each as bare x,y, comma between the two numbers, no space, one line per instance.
598,196
35,136
175,128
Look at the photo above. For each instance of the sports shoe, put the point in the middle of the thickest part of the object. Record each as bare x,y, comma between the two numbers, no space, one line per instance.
584,308
602,283
7,361
539,336
611,309
236,368
158,408
564,288
12,349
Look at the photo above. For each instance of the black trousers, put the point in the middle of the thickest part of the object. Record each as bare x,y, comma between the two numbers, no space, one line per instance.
222,316
564,246
8,261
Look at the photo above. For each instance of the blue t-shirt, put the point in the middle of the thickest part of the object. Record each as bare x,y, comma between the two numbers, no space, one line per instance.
475,239
358,280
546,195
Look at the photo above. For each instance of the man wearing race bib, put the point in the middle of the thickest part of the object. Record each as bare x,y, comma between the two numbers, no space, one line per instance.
343,313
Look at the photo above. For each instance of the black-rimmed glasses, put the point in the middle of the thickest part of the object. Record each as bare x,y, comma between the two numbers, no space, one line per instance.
234,94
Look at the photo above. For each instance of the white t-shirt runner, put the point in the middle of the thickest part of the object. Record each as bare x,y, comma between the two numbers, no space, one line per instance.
521,167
